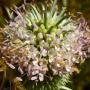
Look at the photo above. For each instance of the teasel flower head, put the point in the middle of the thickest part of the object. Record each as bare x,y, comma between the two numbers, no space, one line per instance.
46,42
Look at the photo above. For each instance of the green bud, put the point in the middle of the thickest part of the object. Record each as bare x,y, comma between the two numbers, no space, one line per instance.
40,35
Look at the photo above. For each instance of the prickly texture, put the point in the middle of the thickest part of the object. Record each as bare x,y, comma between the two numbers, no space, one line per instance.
43,43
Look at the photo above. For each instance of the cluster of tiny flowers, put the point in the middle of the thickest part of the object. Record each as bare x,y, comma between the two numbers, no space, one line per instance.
37,52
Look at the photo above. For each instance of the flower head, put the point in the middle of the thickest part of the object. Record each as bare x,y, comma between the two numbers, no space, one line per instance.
42,41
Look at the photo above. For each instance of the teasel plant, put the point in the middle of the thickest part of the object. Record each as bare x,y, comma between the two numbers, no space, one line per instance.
41,48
